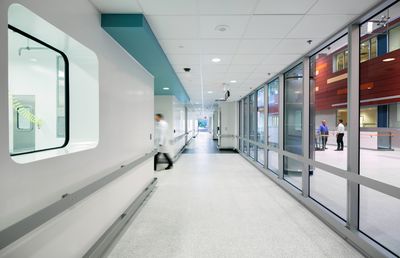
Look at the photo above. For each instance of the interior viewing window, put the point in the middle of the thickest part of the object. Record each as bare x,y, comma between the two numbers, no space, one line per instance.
38,93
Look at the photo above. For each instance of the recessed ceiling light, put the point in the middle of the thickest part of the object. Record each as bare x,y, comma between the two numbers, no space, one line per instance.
233,81
209,92
165,88
216,60
33,60
222,28
389,59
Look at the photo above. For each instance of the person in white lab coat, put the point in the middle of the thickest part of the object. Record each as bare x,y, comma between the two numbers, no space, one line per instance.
339,135
162,141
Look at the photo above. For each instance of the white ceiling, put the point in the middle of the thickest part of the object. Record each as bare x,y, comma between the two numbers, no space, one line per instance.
264,36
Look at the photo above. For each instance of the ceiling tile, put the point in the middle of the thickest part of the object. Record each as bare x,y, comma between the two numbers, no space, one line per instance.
174,27
226,6
170,7
295,46
215,68
257,46
239,76
280,59
184,59
247,59
284,6
219,46
265,69
180,46
242,68
265,26
342,6
123,6
312,27
236,26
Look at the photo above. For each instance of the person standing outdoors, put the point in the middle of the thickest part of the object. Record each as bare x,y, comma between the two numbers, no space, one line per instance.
340,135
161,141
324,131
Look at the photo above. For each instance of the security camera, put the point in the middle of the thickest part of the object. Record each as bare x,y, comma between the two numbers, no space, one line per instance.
187,69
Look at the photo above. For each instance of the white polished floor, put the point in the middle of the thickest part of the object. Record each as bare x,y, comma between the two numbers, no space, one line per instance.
218,205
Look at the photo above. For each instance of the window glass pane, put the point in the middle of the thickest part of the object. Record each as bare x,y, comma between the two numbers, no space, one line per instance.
240,118
245,147
394,116
260,115
273,161
373,51
252,151
329,190
379,116
260,155
293,172
379,218
394,38
364,51
246,118
328,108
273,113
379,131
252,116
293,139
37,91
23,122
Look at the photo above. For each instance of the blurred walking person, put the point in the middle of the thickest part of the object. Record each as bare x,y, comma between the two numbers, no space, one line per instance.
161,141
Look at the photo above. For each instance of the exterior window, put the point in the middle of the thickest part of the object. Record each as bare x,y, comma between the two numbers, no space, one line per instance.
340,61
38,93
368,49
364,51
373,52
394,39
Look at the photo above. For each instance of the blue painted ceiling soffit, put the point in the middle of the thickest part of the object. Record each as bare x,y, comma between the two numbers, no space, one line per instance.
134,34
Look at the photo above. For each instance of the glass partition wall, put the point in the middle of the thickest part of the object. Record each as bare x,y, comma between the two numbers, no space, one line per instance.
293,124
332,126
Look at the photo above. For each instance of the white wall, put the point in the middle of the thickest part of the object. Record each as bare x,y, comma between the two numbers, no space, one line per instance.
229,124
126,121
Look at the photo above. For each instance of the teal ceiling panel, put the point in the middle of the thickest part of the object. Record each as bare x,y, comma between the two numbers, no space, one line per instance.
134,34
